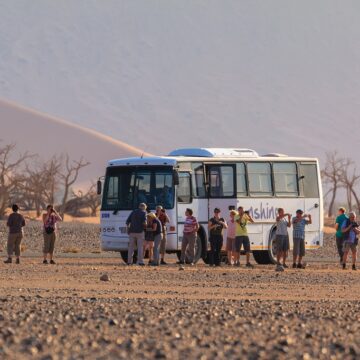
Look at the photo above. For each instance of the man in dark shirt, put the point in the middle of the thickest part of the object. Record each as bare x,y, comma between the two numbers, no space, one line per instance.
15,224
136,223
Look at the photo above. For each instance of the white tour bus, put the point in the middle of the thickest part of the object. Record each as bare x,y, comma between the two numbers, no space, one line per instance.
202,179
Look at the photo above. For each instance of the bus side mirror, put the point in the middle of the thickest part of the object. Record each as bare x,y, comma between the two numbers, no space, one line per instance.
175,177
99,187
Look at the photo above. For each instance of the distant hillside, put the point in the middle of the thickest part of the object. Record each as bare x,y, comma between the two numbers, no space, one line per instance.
46,135
276,76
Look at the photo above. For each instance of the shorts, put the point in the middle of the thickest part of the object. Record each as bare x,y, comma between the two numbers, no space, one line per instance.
349,246
299,247
242,241
13,244
149,244
230,244
282,242
49,243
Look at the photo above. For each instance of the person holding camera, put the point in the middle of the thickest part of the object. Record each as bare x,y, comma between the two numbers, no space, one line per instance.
164,219
216,226
15,224
50,218
242,238
283,221
350,228
299,222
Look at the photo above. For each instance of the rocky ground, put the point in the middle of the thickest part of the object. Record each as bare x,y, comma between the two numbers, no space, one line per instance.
65,311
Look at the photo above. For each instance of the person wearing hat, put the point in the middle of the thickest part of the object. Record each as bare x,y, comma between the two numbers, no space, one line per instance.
299,222
15,224
216,226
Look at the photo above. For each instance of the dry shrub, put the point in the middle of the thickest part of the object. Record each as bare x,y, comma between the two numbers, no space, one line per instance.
72,250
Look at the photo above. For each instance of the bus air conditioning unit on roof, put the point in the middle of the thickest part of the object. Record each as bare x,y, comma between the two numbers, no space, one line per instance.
214,152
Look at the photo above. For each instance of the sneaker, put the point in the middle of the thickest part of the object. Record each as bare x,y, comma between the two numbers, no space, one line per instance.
354,267
192,264
52,262
45,262
344,266
163,262
154,263
294,266
284,266
300,266
17,261
8,261
279,268
248,265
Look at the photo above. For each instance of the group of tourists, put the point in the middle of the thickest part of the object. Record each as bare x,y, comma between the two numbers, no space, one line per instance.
16,222
148,232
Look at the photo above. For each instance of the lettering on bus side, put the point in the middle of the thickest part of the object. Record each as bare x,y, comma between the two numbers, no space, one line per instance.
105,216
263,212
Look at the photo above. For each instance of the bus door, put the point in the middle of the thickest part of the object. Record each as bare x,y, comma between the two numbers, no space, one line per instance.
309,189
221,190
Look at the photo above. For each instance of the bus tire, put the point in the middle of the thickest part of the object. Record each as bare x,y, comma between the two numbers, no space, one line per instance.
267,256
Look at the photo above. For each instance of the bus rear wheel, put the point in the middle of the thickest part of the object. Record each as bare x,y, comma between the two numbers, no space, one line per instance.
267,256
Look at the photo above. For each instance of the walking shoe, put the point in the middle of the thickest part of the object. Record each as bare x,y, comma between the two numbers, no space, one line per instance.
163,262
284,266
17,260
154,263
192,264
354,267
279,268
8,261
301,266
250,265
52,262
344,266
294,266
45,262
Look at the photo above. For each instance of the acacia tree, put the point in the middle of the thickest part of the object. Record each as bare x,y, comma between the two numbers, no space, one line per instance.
11,178
350,179
68,176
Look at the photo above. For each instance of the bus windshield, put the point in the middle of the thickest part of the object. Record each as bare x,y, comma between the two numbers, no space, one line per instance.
126,187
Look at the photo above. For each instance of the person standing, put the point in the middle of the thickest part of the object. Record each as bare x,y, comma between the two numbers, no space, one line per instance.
158,234
136,224
50,218
339,236
15,223
149,235
241,236
299,222
216,226
164,219
350,228
230,239
283,221
191,226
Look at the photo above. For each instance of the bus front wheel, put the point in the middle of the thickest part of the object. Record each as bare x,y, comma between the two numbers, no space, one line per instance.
267,256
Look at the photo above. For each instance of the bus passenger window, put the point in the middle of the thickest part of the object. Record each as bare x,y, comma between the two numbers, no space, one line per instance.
198,180
259,175
285,178
221,180
240,180
184,188
309,184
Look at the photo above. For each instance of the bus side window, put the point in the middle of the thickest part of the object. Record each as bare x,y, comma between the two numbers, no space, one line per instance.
309,182
184,188
198,180
221,179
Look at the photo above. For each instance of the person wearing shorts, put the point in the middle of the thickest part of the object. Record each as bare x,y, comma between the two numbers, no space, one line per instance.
351,229
15,223
149,235
241,236
50,218
299,222
230,238
164,219
283,221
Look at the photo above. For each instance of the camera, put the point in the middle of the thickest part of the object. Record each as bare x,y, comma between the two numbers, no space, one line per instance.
354,224
247,212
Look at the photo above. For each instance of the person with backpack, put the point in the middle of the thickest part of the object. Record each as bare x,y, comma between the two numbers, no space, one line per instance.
350,228
15,223
50,218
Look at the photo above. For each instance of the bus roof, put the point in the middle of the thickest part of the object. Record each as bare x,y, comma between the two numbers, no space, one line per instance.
205,155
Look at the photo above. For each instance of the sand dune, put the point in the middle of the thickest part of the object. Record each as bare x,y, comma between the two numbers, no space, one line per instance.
46,135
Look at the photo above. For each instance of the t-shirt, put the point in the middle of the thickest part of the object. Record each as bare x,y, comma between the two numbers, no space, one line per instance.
231,229
51,221
281,227
241,229
163,219
15,223
340,219
299,228
190,224
158,229
219,228
136,220
350,237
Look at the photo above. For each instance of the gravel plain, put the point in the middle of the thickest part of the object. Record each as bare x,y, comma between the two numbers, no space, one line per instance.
66,312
